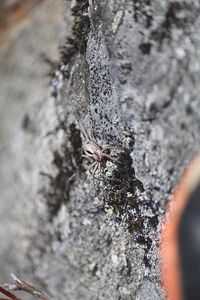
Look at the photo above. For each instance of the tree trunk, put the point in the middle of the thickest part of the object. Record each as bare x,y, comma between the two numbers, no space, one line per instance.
128,74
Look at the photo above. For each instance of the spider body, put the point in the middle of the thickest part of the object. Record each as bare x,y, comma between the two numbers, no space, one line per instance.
95,152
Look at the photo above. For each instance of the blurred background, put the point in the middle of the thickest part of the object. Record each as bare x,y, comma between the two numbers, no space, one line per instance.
30,34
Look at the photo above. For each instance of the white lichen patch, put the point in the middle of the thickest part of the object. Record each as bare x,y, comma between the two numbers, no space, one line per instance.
117,20
110,168
109,210
126,141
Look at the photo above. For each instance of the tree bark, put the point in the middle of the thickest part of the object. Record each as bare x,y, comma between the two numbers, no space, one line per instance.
128,73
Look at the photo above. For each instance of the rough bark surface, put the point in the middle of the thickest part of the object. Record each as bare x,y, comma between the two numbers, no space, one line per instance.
128,73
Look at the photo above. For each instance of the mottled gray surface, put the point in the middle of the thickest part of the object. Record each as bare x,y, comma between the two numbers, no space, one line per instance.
23,89
129,73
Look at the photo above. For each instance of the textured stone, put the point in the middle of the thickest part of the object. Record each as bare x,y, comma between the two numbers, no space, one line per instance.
129,73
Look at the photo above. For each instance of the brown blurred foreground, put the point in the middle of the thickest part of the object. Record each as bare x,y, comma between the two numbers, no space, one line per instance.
13,12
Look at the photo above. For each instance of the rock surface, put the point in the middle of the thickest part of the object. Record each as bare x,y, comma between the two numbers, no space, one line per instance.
128,73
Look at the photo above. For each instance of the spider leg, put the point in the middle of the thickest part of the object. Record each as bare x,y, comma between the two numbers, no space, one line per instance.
86,156
96,167
95,144
99,168
87,136
91,166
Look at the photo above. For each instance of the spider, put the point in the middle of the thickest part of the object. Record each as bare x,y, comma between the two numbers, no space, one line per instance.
96,152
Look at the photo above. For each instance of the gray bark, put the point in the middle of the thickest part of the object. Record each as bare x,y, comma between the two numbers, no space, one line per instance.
128,73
